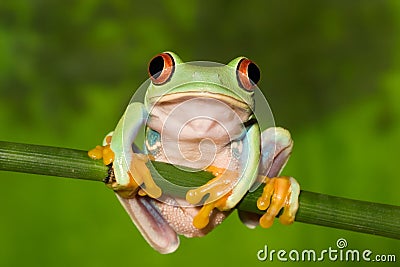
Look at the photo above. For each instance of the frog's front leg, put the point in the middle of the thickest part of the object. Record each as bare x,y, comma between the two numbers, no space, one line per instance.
103,152
279,192
229,186
130,168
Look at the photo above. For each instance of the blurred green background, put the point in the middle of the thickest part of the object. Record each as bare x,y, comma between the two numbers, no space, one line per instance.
330,71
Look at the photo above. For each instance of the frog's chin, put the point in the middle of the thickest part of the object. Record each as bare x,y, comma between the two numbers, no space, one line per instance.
182,96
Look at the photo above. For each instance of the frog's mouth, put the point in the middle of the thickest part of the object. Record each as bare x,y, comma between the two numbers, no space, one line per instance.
190,95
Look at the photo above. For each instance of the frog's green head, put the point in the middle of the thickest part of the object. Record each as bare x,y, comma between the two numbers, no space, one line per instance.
172,80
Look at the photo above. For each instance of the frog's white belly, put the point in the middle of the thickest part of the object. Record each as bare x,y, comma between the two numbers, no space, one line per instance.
200,133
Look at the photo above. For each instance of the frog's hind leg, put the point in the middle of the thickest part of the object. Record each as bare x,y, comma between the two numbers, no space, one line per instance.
151,223
279,192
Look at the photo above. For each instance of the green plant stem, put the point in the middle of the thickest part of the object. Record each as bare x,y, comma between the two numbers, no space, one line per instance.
47,160
314,208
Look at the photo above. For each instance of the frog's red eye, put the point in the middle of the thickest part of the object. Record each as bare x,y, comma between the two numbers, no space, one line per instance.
161,68
248,74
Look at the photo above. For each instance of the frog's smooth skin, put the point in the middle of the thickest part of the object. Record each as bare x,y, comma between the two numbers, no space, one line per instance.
241,160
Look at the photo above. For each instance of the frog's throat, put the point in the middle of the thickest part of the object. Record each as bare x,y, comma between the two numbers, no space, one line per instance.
193,94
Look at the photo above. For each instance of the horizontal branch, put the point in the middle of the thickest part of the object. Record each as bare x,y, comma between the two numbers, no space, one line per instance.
314,208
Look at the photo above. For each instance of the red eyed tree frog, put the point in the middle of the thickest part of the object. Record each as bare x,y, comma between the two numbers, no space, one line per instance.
201,117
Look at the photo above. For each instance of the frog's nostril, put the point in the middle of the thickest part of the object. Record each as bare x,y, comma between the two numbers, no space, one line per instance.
207,77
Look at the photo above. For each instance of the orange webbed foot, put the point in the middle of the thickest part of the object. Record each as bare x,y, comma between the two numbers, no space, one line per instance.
103,152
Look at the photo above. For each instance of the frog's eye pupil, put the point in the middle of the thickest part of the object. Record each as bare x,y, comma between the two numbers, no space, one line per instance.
161,68
156,66
254,73
248,74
